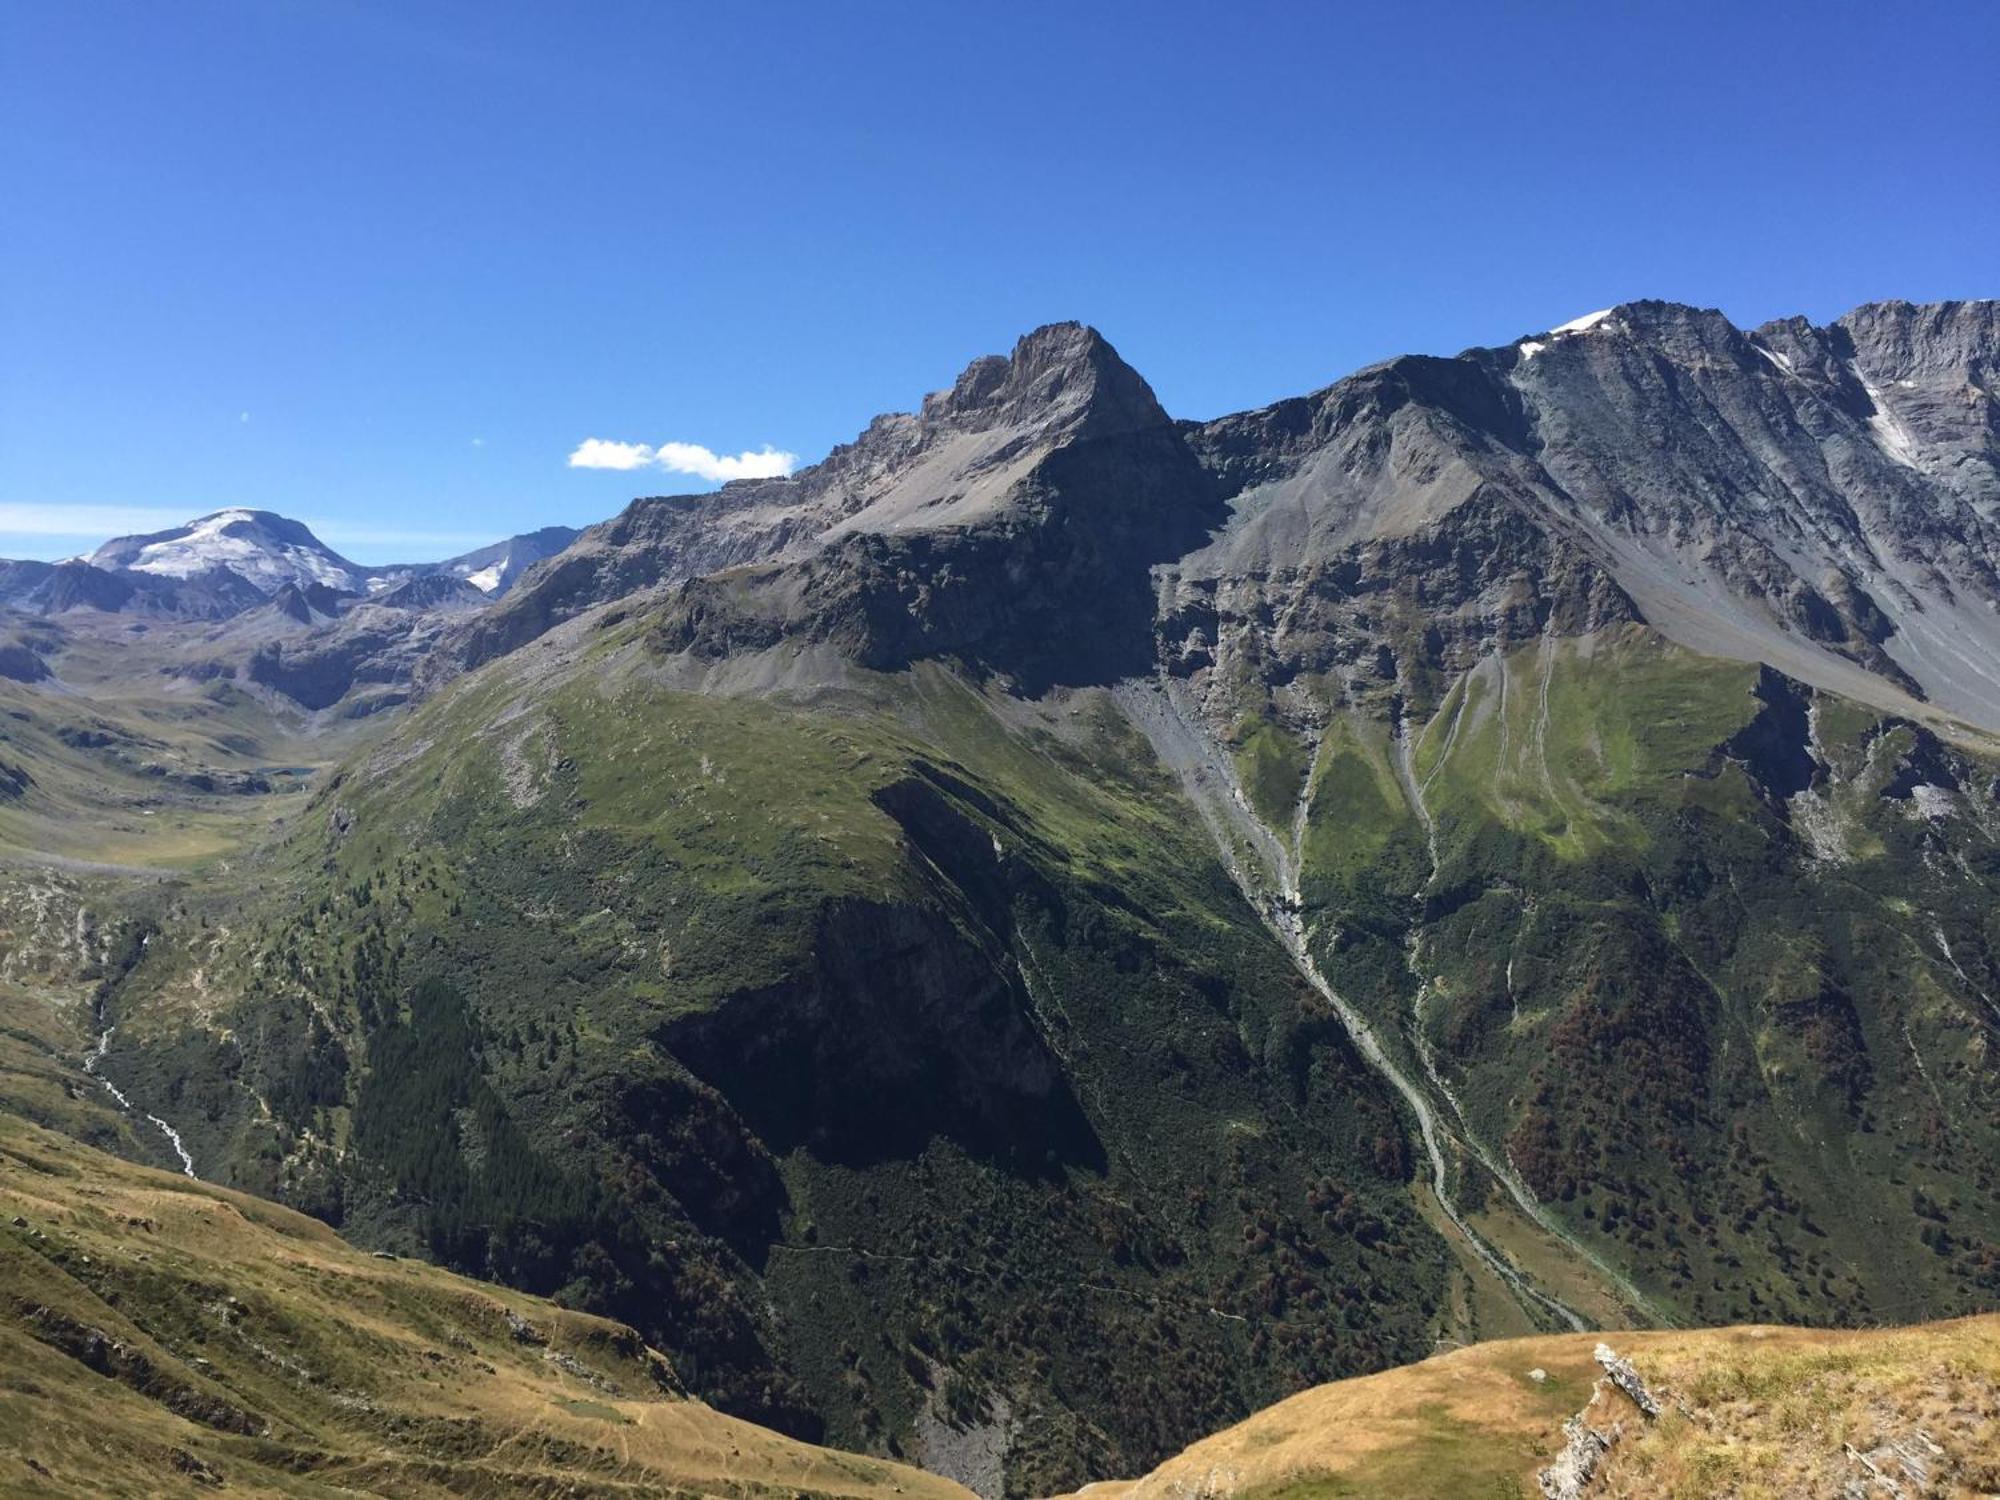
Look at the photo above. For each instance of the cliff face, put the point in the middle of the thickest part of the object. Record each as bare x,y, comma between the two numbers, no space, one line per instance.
1039,485
1820,499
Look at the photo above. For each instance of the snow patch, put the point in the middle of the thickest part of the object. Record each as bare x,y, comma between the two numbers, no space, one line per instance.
487,579
1531,347
260,557
1585,323
1782,361
1891,436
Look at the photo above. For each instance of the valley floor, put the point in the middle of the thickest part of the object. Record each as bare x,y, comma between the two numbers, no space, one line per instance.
160,1336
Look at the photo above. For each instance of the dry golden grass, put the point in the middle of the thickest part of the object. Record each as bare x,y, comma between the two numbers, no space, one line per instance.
160,1336
1755,1413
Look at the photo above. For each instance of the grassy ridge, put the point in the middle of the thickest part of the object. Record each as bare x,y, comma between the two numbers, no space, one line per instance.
162,1337
1754,1411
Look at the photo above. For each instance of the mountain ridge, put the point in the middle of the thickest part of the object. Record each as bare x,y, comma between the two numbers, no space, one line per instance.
262,550
1815,609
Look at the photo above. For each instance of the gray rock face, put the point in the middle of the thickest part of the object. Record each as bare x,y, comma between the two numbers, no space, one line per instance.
40,588
1585,1447
1014,515
1819,499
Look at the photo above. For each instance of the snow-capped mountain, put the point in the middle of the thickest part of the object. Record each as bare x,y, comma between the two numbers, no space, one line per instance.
270,552
491,569
264,548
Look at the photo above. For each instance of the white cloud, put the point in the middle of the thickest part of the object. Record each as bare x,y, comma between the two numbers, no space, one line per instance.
684,458
596,453
692,458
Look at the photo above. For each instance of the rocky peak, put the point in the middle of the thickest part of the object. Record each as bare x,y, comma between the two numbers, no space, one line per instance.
1061,374
433,591
1648,329
305,603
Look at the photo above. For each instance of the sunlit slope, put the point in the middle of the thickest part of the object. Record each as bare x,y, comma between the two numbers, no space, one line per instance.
164,1337
1749,1411
1702,959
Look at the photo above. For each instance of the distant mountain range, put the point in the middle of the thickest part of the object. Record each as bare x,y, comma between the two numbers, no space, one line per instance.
221,564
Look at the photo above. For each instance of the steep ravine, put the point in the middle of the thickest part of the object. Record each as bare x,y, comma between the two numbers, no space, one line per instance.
1403,756
1266,869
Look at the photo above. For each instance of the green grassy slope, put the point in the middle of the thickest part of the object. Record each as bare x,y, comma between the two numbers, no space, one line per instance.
903,1064
1708,958
896,1056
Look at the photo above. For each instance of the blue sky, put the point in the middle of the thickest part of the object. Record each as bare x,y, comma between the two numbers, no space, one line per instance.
384,266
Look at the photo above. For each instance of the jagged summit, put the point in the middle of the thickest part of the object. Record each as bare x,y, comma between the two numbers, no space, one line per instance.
1822,499
1060,372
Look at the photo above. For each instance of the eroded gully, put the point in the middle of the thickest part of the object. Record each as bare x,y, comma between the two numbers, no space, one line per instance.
1265,868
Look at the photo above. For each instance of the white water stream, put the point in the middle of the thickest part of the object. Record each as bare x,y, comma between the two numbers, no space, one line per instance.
94,1059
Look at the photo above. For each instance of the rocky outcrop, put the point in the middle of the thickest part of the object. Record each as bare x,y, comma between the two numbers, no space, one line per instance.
432,591
1585,1446
305,604
1051,586
21,663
